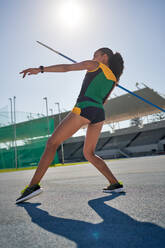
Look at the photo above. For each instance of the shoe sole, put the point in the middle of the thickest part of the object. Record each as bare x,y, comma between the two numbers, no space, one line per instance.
35,193
114,190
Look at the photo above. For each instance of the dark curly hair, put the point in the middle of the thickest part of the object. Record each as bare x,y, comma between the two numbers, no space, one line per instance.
115,62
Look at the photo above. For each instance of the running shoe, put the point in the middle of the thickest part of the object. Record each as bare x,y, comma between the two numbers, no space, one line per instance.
116,187
29,192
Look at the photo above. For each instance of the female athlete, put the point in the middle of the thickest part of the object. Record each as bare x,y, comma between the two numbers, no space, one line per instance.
103,74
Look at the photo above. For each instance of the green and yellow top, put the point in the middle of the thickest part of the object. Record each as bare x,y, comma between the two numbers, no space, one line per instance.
97,84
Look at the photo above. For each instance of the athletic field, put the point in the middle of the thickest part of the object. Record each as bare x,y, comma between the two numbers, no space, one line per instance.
73,212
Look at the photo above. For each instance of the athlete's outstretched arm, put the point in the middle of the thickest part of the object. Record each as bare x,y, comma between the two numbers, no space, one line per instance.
84,65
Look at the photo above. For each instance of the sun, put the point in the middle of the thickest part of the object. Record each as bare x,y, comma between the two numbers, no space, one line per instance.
70,13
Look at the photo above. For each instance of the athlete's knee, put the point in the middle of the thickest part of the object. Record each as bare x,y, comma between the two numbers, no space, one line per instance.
51,143
88,154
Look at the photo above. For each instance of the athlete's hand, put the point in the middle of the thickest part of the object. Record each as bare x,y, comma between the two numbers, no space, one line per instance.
30,71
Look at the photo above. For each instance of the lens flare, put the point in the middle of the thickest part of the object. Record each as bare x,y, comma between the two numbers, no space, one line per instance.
70,13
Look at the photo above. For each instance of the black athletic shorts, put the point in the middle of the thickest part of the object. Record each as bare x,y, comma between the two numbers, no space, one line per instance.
92,111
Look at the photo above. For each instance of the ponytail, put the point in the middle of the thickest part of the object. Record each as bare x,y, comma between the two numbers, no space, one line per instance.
115,62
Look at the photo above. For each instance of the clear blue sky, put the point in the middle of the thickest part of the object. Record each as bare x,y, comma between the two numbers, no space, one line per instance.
134,28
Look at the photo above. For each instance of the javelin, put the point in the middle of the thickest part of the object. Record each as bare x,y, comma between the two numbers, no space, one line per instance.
42,44
121,87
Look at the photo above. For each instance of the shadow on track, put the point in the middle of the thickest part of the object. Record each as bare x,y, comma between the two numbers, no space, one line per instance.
117,230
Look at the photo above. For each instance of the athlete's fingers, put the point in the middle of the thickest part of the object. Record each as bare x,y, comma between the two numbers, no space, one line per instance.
24,71
30,71
24,74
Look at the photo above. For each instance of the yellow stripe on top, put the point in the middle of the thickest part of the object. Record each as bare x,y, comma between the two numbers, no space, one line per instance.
107,72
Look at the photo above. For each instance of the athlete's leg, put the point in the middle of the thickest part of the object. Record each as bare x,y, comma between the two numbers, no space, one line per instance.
71,124
91,139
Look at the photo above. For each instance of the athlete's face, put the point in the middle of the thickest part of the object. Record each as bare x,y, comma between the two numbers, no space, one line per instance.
100,57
